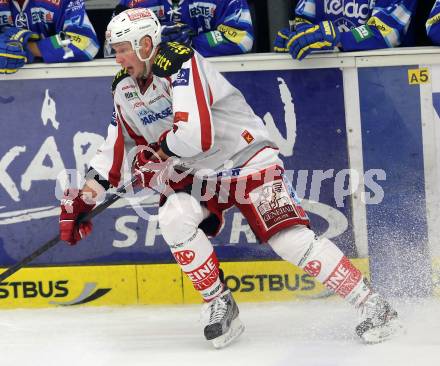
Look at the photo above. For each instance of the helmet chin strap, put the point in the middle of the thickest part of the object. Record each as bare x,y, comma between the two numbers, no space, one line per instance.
146,60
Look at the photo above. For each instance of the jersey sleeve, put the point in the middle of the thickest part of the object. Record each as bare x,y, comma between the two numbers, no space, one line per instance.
433,24
75,38
233,33
306,9
385,28
193,131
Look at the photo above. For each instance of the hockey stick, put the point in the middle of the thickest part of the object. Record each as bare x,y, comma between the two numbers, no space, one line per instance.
52,242
292,7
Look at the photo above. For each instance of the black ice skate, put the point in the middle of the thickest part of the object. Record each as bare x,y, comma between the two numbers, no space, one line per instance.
223,325
379,320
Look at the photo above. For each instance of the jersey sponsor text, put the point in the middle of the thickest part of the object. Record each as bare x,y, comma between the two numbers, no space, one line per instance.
343,278
350,8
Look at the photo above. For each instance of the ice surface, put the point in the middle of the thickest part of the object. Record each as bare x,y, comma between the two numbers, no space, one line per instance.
300,333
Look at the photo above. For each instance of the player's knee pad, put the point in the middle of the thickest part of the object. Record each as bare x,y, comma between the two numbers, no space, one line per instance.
180,217
299,245
292,243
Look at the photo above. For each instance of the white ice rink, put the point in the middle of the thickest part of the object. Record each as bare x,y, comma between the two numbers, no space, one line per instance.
300,333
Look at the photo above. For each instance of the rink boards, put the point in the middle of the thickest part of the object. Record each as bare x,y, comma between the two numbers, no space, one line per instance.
154,284
371,119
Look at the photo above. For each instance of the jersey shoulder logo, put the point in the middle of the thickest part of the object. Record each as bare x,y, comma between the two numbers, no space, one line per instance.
182,78
170,58
120,75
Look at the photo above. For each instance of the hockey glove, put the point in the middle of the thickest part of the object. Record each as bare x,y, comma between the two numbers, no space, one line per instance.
323,36
295,25
151,171
24,36
74,205
177,32
279,45
12,56
298,25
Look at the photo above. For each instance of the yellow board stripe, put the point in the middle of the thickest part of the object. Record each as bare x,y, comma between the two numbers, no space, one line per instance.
153,284
162,284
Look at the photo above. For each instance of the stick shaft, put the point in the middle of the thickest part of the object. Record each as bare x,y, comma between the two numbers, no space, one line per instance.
52,242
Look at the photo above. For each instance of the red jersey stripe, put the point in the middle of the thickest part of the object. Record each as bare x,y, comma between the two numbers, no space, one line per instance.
139,140
205,118
211,99
114,175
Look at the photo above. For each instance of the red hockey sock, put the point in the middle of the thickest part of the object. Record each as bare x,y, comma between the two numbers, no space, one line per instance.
198,260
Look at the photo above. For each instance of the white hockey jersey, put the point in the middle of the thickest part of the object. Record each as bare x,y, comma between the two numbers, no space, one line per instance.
211,125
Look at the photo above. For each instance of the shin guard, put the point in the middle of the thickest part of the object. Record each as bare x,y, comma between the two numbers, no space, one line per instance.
199,262
322,259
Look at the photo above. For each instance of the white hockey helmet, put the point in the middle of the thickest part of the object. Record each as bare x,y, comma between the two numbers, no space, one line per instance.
131,26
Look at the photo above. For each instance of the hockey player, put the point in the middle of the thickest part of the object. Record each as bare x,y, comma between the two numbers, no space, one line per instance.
433,24
351,25
212,27
173,100
55,31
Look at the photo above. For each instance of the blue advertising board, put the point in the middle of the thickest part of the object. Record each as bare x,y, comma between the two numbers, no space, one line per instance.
392,141
57,124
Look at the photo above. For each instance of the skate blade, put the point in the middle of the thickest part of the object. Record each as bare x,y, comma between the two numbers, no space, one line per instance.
235,330
380,334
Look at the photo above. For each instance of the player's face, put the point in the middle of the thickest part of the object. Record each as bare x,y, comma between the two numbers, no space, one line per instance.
127,58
